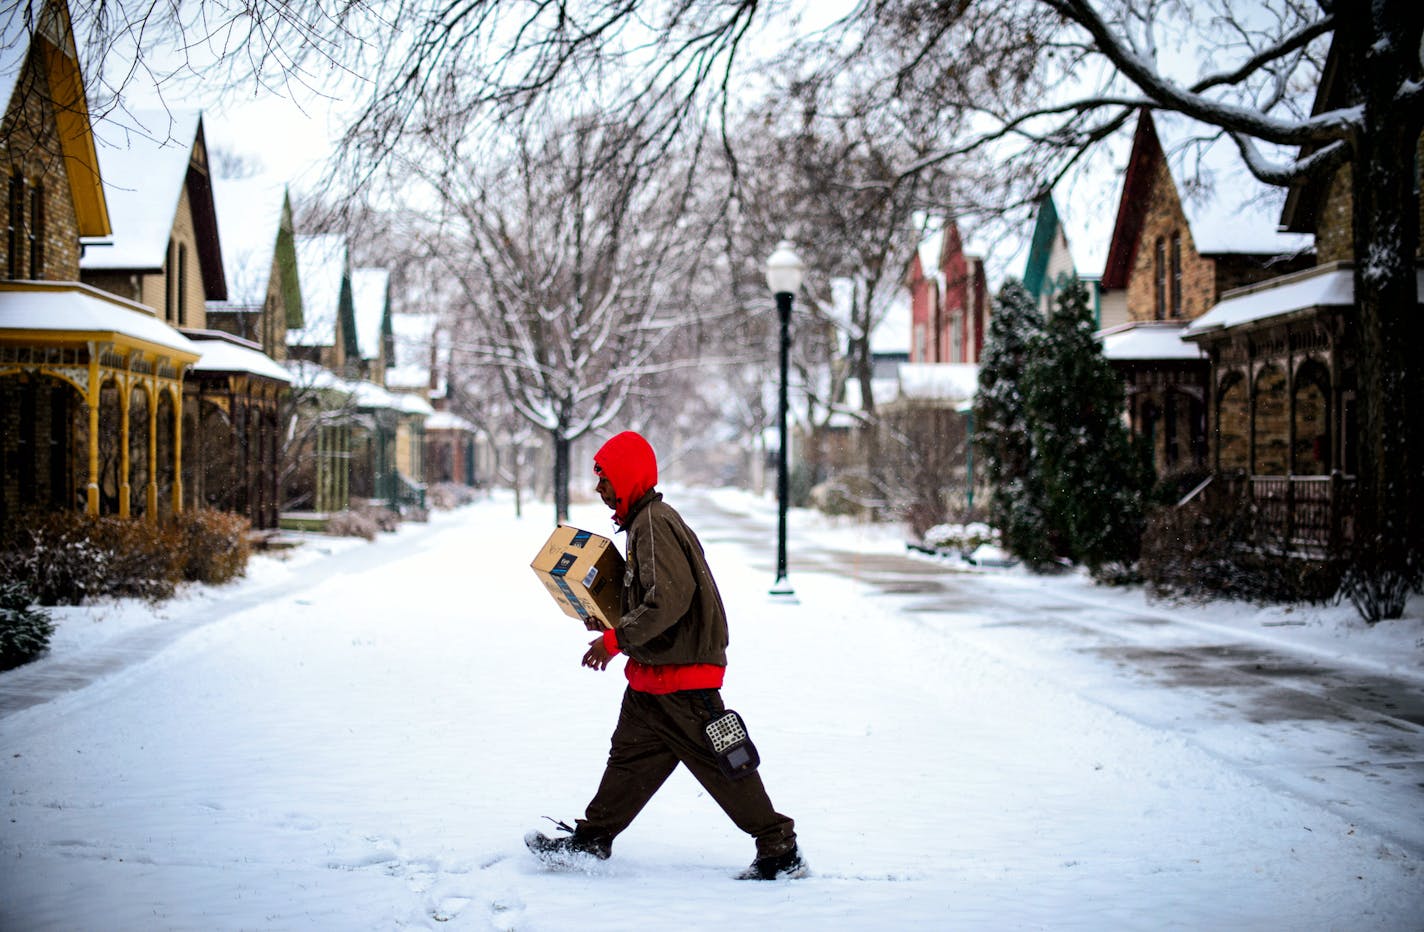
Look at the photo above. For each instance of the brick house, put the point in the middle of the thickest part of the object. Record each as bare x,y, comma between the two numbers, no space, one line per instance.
91,383
1282,369
166,252
1177,245
949,298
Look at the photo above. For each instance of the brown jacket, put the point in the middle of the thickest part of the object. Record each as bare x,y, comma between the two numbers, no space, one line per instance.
672,611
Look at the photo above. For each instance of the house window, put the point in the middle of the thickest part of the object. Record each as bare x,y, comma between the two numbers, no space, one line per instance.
170,282
1159,280
15,231
1176,275
182,285
37,231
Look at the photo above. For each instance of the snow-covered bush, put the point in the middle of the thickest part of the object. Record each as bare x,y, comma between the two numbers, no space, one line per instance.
375,511
66,557
214,545
444,496
352,524
25,628
961,538
847,494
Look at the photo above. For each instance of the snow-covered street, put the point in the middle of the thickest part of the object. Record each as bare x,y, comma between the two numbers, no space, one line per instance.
359,737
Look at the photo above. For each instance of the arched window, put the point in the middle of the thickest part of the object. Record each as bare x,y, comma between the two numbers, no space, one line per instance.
37,232
1176,274
1159,275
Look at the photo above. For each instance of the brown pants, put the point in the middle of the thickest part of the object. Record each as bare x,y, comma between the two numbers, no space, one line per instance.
654,734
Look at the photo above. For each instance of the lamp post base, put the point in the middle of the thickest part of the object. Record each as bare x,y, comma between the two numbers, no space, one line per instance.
783,589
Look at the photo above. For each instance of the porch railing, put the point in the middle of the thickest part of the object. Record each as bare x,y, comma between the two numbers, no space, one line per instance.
1314,513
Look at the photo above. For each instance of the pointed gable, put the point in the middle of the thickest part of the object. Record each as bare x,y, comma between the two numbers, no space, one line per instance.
46,45
153,171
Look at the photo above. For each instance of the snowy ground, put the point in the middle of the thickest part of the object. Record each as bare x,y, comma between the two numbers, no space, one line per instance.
358,736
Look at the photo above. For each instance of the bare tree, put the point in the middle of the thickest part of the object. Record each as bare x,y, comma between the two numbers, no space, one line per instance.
570,257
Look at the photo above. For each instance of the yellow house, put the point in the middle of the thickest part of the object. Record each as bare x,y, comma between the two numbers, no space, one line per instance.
90,383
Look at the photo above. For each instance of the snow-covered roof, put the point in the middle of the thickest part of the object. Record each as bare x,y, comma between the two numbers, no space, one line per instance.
144,163
1086,202
412,404
249,215
227,355
1228,210
930,246
369,298
445,420
75,308
938,381
1143,340
321,268
892,333
1327,286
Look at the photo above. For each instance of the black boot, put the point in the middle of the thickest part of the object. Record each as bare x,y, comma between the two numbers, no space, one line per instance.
788,866
569,850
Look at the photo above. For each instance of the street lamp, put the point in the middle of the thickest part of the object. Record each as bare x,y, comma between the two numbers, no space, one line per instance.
783,277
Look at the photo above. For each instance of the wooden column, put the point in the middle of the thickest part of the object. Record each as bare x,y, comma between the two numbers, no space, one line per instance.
152,513
125,406
91,500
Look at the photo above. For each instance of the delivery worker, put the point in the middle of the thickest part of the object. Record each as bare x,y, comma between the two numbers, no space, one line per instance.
674,630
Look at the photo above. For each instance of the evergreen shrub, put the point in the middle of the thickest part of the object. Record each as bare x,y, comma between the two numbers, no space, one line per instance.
25,628
214,545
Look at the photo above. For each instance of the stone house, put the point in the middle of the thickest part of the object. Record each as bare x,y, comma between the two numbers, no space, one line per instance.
1191,224
91,384
166,252
1283,373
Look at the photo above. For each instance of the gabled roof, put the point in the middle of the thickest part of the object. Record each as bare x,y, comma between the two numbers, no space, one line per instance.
51,36
250,212
146,169
370,298
1298,214
1227,210
321,270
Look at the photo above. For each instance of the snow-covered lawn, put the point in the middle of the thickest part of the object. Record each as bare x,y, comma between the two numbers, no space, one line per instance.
364,746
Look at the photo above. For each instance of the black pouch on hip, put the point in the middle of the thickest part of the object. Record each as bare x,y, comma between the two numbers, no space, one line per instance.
731,745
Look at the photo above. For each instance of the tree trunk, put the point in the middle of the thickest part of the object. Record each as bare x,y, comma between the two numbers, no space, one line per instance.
1387,328
561,477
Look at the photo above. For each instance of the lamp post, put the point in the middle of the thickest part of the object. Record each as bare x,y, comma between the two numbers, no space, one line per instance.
783,277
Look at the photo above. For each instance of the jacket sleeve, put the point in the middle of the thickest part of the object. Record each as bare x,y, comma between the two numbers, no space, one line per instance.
665,577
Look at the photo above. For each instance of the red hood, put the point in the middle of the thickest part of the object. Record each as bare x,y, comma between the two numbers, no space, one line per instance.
628,462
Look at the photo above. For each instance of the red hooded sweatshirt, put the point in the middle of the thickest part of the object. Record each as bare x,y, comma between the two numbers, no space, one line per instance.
627,461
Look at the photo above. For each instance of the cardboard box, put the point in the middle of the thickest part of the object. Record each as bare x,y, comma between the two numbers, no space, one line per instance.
584,574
